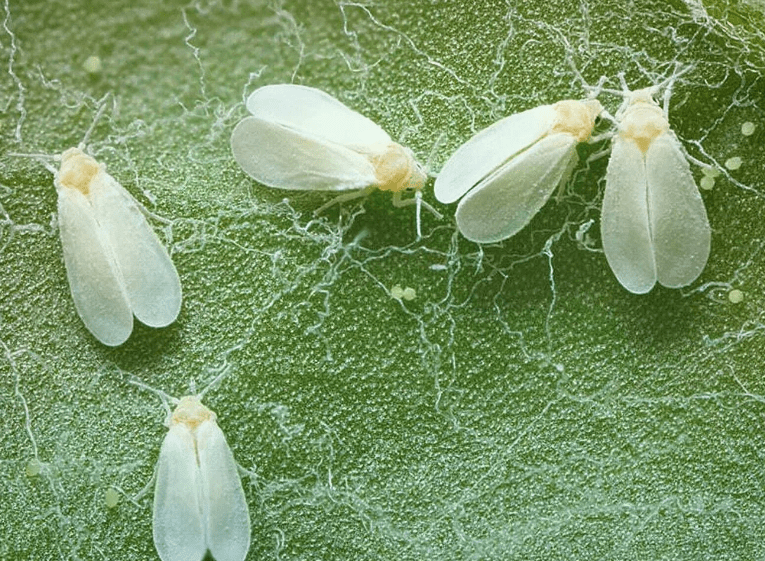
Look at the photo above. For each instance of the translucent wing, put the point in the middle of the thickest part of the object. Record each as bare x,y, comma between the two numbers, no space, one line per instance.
228,519
315,113
150,278
679,224
178,528
624,225
507,200
283,157
94,277
489,149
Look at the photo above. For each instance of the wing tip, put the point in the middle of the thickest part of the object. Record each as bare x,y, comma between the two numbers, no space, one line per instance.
446,190
629,277
637,288
110,333
164,311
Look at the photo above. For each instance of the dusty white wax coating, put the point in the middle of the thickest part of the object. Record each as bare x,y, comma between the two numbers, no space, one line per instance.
301,138
115,264
654,225
199,504
505,173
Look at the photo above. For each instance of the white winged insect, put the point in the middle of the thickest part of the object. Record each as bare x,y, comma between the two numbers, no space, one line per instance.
199,504
654,226
116,266
302,138
115,263
506,172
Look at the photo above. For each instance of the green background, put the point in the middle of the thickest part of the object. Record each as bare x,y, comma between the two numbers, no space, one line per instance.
523,406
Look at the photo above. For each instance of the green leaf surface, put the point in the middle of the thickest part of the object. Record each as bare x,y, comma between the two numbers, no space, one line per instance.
522,406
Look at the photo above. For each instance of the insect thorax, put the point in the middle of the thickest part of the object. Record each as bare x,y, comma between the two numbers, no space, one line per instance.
642,123
191,413
576,118
396,169
77,170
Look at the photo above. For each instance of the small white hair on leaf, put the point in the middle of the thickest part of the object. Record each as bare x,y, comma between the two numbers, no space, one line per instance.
506,173
301,138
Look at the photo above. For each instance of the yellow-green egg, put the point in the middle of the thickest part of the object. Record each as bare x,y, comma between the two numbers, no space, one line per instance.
733,163
34,467
735,296
747,129
707,182
111,497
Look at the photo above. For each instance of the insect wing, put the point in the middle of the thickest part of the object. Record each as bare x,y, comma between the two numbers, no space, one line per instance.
625,226
282,157
315,113
225,507
94,277
485,152
679,223
150,278
178,526
507,200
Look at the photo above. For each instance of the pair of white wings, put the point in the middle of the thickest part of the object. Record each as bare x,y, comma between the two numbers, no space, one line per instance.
505,174
654,225
302,138
199,503
116,266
